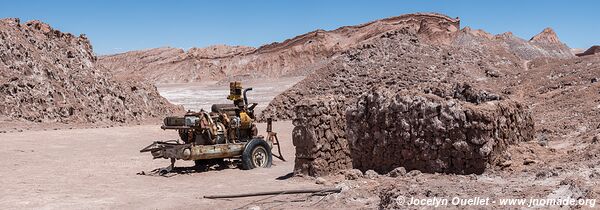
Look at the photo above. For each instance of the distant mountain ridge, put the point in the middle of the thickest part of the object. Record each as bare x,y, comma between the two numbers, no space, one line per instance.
297,56
303,54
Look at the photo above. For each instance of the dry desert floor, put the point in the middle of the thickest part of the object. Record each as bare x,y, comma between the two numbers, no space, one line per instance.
98,169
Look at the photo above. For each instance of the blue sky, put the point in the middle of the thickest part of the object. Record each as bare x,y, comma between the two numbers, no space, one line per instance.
118,26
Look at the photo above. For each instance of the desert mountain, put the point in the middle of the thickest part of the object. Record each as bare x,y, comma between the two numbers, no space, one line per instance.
408,58
50,76
546,36
591,51
559,89
395,61
300,55
544,44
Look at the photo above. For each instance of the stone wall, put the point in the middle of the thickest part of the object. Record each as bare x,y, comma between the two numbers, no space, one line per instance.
426,132
319,136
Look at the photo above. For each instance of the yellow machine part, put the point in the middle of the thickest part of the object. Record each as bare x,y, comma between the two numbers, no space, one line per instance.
235,91
245,120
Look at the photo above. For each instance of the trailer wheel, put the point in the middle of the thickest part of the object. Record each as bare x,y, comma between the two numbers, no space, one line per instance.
257,154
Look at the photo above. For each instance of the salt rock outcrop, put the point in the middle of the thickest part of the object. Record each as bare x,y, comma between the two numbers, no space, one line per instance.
50,76
319,137
426,132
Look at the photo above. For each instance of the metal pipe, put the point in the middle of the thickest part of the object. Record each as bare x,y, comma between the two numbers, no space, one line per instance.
278,192
245,98
203,152
269,125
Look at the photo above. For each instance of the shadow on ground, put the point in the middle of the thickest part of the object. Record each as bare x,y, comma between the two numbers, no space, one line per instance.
199,167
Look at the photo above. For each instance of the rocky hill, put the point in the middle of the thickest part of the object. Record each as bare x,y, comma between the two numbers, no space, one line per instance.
563,95
409,57
300,55
50,76
394,91
591,51
397,60
544,44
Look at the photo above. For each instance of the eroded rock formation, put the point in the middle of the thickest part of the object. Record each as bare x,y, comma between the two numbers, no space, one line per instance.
50,76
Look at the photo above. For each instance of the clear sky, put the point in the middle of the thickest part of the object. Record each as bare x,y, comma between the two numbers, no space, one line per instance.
116,26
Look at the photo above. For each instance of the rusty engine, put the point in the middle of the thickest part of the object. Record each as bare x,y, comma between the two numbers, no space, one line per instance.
227,131
225,123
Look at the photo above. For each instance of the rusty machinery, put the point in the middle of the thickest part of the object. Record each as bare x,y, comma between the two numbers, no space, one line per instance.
227,131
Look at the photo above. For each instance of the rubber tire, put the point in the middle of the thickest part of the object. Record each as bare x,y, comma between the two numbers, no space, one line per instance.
247,156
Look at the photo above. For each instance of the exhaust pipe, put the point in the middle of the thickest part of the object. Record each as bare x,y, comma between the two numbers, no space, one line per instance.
246,98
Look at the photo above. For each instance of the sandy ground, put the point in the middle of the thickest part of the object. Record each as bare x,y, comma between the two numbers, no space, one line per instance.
96,168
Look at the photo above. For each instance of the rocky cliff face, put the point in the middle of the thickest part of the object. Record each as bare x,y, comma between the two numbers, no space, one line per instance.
50,76
300,55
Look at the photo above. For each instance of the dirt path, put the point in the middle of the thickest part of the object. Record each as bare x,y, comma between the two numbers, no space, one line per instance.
96,168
